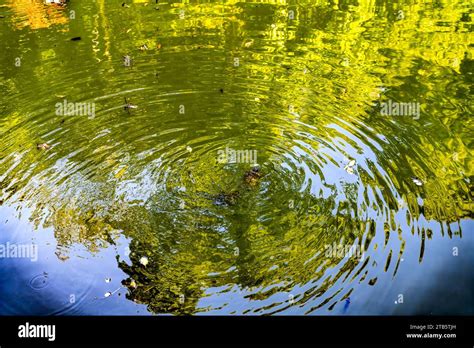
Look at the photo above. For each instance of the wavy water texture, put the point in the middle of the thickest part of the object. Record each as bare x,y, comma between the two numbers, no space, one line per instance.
303,84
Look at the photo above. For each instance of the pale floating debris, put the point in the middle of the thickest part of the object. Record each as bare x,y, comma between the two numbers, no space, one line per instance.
133,284
350,167
417,181
43,146
108,280
129,106
107,294
127,60
345,62
144,260
248,43
257,99
189,149
56,2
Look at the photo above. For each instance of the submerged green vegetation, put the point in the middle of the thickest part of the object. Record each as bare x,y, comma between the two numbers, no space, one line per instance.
113,118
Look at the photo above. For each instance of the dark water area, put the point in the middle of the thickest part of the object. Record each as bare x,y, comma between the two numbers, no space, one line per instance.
223,157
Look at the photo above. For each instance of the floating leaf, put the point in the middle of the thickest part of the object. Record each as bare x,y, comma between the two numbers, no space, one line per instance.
43,146
248,43
350,167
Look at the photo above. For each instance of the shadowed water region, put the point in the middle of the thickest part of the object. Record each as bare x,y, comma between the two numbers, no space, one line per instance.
236,157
